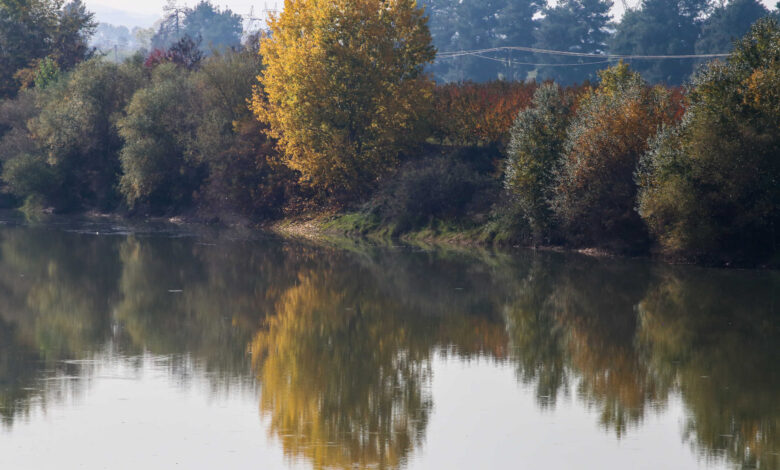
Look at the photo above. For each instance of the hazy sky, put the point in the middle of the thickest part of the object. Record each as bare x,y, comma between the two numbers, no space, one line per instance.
153,8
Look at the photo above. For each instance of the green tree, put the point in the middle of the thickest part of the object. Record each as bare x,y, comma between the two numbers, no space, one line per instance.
727,23
516,27
31,30
24,169
70,39
77,132
48,72
217,29
245,173
533,156
573,26
205,23
442,25
465,25
709,185
661,27
64,153
482,24
162,118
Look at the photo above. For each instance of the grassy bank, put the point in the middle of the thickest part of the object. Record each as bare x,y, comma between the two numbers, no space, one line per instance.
362,225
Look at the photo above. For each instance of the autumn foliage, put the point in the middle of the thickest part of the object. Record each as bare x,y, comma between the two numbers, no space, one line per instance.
710,184
335,106
478,113
596,193
573,155
344,102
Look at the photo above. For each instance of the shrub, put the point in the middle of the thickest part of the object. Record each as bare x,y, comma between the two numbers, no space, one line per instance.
15,114
478,113
16,143
158,131
595,197
450,187
710,184
533,156
29,176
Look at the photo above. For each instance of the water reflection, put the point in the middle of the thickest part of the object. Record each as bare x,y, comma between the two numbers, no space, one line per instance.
573,325
339,345
714,335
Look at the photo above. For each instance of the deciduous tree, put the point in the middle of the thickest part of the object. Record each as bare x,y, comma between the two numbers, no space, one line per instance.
661,27
534,154
344,88
160,125
596,194
710,185
31,30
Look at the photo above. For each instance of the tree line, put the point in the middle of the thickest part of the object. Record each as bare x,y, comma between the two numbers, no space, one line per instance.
653,27
335,108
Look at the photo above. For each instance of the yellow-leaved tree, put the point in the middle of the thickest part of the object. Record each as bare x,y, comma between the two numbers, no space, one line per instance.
344,90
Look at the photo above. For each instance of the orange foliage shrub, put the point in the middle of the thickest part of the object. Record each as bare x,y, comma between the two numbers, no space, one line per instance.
596,194
478,113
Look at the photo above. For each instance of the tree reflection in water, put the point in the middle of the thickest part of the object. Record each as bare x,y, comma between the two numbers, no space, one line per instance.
716,335
341,343
345,360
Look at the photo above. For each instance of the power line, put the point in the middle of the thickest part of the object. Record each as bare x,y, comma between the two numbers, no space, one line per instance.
514,62
606,57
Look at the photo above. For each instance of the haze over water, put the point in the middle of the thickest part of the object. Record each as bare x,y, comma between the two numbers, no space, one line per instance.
166,349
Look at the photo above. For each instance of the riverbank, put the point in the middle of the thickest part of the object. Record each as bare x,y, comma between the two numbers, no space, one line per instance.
364,226
345,229
335,227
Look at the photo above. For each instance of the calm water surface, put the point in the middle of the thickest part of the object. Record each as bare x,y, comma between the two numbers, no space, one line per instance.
164,350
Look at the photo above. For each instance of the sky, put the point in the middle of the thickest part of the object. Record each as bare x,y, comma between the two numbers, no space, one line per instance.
145,12
154,7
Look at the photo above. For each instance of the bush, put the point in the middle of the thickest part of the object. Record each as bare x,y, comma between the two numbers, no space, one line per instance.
15,114
245,173
31,177
710,184
595,197
77,131
158,130
533,156
451,187
478,113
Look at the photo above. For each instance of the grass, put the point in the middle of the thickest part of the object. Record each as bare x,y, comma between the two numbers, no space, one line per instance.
364,224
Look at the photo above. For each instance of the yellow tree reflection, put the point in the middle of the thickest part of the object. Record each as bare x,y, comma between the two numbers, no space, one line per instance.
344,361
344,377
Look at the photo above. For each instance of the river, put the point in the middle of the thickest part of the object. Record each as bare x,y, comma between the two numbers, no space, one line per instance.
165,348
